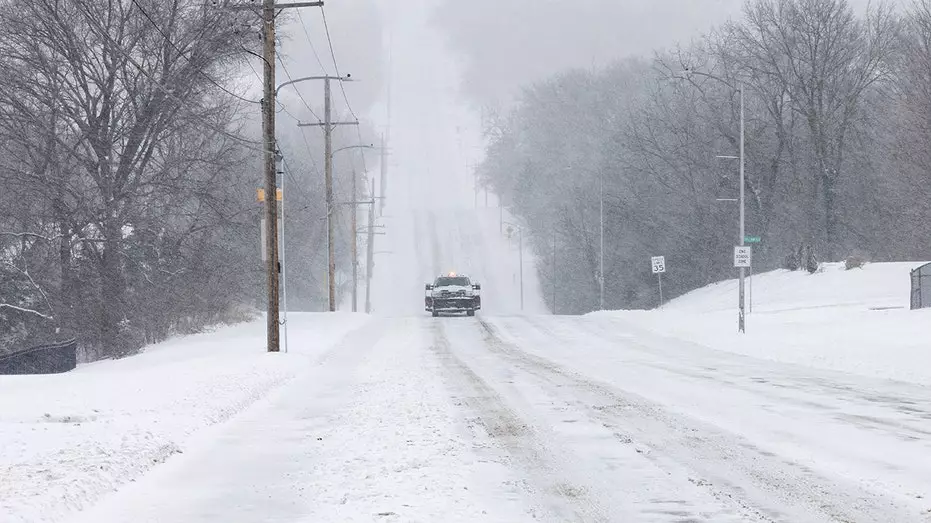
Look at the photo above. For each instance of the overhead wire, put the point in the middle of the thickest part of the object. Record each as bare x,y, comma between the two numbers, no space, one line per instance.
182,104
311,43
181,54
326,27
291,79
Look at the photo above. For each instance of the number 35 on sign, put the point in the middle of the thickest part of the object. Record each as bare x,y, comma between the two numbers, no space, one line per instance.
659,264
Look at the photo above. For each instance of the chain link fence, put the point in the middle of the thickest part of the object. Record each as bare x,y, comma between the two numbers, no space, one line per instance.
921,287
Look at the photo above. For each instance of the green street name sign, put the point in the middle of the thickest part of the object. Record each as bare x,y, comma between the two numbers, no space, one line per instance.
752,239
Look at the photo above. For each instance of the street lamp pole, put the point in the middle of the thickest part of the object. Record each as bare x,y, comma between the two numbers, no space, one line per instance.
601,259
741,300
741,323
520,233
601,226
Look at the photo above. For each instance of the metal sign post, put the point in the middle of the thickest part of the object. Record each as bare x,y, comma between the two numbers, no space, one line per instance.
743,259
751,239
659,267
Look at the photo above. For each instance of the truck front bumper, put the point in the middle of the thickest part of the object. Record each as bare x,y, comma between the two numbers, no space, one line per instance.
473,303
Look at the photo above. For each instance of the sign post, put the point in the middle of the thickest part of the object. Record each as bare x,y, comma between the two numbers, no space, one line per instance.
659,267
743,258
751,239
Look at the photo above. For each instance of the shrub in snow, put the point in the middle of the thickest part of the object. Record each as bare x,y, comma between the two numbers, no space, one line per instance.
792,261
811,260
854,262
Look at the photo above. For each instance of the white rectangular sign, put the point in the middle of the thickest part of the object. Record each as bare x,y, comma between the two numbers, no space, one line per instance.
743,256
659,264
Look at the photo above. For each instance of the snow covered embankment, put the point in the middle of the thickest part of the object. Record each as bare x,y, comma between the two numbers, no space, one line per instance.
853,321
66,440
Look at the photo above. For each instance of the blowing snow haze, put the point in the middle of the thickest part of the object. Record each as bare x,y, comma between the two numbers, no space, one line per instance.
508,43
622,261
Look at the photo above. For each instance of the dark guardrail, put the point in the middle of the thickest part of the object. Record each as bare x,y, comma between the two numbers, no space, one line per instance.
54,358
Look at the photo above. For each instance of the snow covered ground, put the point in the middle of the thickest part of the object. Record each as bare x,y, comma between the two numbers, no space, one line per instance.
554,419
852,321
66,440
629,416
820,413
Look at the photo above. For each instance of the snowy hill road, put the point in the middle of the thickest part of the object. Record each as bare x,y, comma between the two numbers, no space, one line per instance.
550,419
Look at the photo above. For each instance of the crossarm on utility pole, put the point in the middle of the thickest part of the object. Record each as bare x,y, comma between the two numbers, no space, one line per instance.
321,124
273,6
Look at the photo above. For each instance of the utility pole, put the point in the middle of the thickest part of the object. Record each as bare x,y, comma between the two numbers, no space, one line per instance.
328,173
520,232
328,124
383,182
741,323
370,254
601,255
475,184
520,246
386,136
272,266
554,271
354,225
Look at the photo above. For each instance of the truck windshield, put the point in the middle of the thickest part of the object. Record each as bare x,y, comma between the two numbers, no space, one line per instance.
447,281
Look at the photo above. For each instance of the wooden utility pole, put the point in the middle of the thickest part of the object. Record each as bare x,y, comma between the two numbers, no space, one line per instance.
272,264
383,182
370,255
272,267
328,124
354,226
330,209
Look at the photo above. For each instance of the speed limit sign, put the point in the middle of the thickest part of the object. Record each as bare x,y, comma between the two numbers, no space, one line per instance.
659,264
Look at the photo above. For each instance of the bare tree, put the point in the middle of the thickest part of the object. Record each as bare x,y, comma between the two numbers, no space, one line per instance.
99,93
827,59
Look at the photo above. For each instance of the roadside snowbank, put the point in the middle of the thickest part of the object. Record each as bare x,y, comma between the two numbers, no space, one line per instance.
851,321
66,440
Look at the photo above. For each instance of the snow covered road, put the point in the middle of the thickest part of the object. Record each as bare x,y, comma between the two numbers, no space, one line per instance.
550,419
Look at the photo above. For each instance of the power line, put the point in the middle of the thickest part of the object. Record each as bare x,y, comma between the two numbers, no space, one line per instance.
342,88
310,41
313,161
251,144
301,96
257,75
181,54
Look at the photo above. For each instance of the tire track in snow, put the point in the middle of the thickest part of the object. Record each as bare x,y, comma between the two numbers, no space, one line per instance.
777,382
730,467
554,499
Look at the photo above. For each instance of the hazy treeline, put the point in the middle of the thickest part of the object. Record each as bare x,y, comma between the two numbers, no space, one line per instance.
838,151
128,209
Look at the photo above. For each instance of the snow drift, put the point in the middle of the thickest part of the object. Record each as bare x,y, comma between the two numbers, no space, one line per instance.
853,321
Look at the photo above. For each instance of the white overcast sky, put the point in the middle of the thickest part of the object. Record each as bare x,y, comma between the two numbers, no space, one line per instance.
448,56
